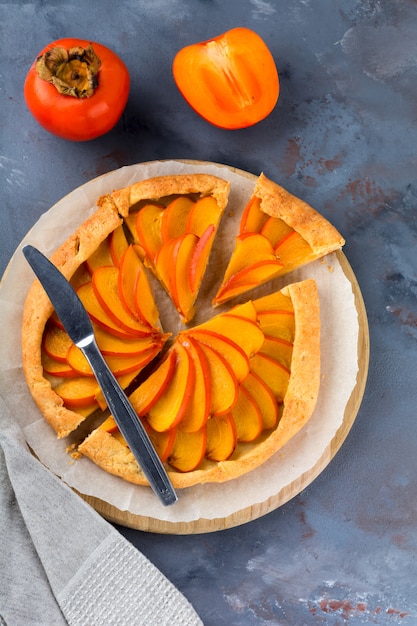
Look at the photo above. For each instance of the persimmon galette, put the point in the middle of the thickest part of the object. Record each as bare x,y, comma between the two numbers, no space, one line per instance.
278,233
220,397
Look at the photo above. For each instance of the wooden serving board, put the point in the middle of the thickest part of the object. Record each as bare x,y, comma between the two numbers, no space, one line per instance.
343,386
150,524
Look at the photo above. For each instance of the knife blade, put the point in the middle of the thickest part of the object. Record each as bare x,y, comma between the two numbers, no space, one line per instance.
77,324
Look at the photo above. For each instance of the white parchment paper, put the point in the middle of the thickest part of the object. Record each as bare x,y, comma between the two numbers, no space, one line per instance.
340,331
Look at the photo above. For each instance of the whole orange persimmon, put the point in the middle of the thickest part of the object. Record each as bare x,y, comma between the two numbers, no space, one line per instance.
77,89
230,80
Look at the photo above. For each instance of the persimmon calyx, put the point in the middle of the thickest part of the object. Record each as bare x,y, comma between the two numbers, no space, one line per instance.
73,72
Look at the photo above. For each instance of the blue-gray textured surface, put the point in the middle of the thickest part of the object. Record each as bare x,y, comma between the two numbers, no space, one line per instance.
343,137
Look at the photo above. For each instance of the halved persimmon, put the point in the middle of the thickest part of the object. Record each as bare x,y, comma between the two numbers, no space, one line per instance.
230,80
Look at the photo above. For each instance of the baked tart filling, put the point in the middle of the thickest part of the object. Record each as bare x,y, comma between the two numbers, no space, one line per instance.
220,397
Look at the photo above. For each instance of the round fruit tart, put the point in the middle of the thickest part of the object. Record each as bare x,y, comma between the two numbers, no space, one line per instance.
217,398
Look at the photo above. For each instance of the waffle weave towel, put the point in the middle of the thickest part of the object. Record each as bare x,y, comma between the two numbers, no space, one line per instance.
61,563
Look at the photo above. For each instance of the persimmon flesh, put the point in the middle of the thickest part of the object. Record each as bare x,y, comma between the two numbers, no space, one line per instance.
230,80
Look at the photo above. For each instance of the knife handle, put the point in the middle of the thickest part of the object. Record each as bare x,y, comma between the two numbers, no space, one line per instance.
130,425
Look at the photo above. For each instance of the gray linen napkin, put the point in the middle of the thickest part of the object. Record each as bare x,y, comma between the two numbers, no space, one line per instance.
61,563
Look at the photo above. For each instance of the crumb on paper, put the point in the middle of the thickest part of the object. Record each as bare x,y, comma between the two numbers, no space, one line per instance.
73,452
324,262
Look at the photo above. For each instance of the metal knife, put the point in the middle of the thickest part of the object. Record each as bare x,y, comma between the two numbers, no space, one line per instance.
77,324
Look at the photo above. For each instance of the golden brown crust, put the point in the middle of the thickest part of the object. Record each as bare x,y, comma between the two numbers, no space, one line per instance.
276,201
163,186
112,456
37,309
299,403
